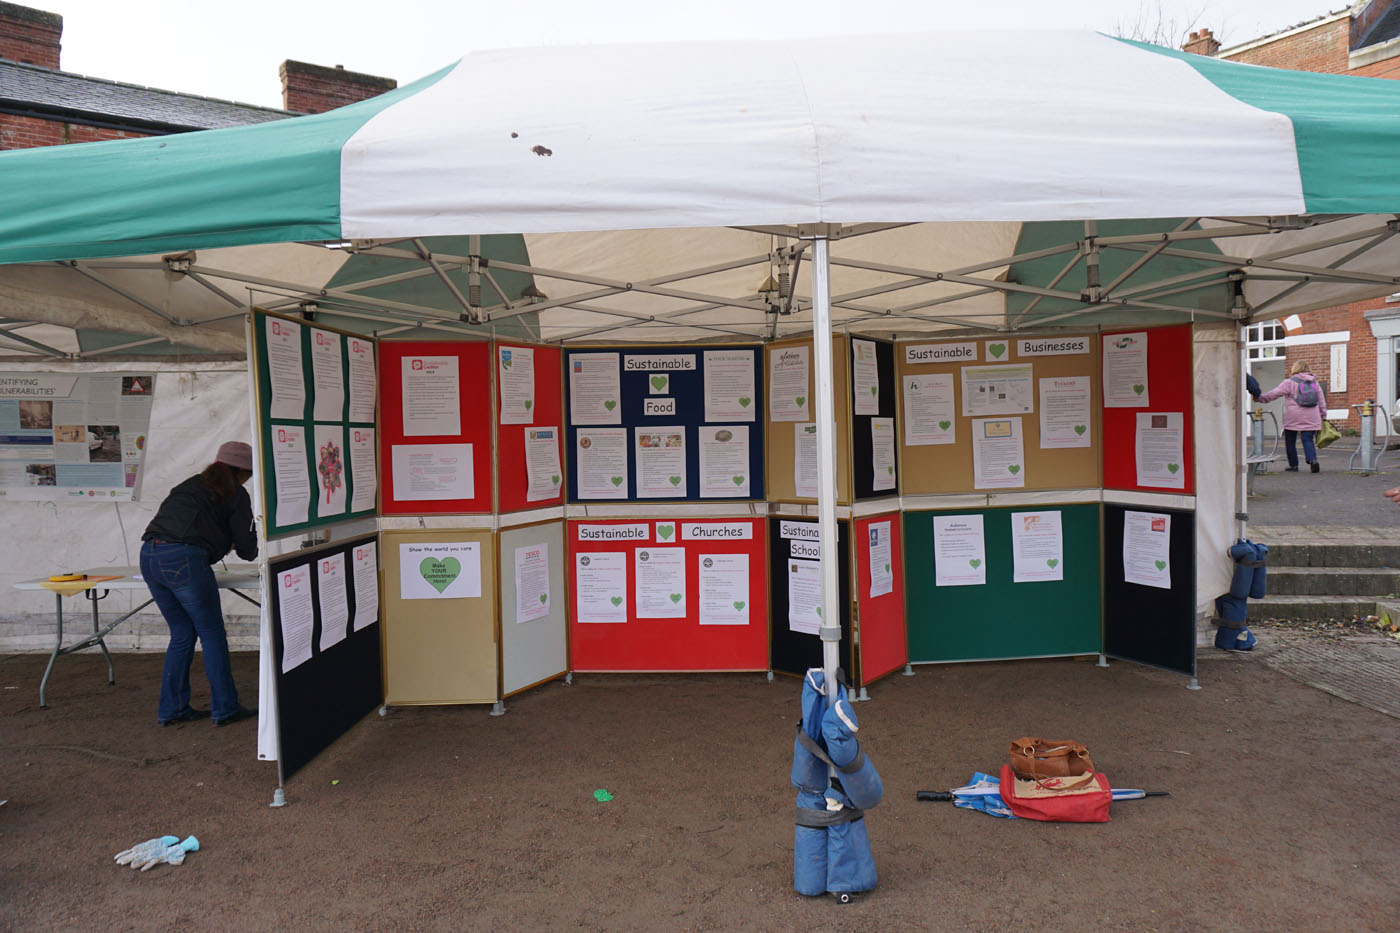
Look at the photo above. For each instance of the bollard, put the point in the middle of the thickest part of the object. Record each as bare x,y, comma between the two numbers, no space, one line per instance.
1368,435
1256,441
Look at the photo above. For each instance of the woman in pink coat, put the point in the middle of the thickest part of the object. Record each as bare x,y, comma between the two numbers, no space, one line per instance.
1300,386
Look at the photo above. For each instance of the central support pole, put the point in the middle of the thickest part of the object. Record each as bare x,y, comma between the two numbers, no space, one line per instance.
830,630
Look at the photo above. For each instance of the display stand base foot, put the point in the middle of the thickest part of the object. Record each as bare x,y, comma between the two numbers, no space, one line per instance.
569,679
384,711
498,708
1103,661
279,799
770,677
1194,684
862,696
908,670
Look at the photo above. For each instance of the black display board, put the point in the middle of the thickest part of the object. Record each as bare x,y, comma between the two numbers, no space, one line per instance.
1149,624
862,444
319,700
794,652
683,404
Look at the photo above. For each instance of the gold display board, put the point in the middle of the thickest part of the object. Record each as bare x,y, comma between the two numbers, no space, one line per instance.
782,442
439,650
932,469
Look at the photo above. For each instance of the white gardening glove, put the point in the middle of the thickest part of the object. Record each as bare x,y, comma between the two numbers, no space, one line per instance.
173,855
144,851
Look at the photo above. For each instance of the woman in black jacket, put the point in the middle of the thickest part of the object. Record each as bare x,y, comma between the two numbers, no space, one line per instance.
197,524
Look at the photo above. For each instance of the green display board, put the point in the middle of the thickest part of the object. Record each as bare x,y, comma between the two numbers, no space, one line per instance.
1001,619
335,477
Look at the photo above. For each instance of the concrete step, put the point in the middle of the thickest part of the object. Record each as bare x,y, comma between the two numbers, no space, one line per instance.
1310,607
1325,581
1286,554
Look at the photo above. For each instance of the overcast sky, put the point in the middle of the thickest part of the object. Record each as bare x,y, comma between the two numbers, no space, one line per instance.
231,50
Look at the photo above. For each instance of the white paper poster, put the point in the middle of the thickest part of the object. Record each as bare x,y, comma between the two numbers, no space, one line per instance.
959,551
600,580
1037,547
327,379
335,602
595,389
284,369
804,585
297,615
432,396
724,461
532,582
1158,445
882,453
515,368
433,471
601,458
289,474
998,454
364,475
447,570
724,589
729,385
660,582
363,387
789,380
929,409
1125,370
998,390
804,459
881,568
1147,540
660,454
365,558
542,463
331,478
865,377
1064,412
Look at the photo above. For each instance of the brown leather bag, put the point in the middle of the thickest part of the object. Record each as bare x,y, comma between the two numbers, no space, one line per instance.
1035,759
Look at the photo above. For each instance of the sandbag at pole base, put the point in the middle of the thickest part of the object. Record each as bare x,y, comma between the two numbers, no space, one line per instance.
850,865
809,849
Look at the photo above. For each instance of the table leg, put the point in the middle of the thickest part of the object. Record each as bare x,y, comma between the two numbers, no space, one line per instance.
91,595
57,645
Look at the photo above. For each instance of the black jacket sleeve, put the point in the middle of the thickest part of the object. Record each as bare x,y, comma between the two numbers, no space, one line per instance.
240,526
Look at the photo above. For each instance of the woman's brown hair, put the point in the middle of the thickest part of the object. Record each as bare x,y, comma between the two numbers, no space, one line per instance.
223,480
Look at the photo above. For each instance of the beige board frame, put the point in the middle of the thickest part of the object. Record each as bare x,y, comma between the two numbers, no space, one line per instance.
440,651
782,445
947,468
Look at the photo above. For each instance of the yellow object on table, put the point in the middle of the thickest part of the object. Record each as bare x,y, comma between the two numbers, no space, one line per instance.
67,584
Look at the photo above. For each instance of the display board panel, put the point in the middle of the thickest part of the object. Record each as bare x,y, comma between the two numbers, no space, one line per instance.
950,402
534,606
879,553
440,617
1149,436
324,606
795,568
316,398
982,612
790,380
530,425
668,422
1149,593
668,595
874,419
435,451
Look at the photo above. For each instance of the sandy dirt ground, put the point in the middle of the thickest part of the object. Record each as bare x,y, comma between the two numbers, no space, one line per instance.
1282,816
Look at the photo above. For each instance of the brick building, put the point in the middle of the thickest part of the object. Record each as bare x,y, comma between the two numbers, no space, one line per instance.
1354,349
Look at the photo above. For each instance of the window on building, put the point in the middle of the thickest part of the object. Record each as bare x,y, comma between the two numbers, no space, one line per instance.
1264,340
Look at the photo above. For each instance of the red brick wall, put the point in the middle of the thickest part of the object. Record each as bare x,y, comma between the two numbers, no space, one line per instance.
1361,354
1386,68
316,89
1323,48
30,36
30,132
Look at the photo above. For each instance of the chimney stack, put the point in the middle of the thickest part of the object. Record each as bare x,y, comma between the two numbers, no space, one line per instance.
30,36
316,88
1201,43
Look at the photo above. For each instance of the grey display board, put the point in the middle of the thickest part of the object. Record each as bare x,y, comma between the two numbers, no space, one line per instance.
537,650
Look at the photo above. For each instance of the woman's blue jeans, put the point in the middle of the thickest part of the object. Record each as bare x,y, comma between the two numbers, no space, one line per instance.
183,586
1290,440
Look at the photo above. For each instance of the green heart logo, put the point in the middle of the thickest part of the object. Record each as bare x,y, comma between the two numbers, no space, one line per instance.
1173,467
554,479
800,400
610,404
664,532
1052,562
738,480
745,401
996,349
739,605
675,597
617,480
1139,388
544,598
874,390
529,404
616,600
658,382
819,612
674,480
1014,468
887,568
1080,429
439,573
943,425
1161,564
975,562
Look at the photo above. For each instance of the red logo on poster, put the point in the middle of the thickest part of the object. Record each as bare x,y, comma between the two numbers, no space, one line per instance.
281,436
1159,524
416,364
276,329
288,582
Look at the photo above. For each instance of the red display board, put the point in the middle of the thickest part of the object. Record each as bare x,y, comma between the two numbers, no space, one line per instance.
1169,389
546,412
690,642
884,645
473,399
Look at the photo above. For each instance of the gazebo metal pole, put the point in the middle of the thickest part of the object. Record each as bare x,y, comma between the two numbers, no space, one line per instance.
830,629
